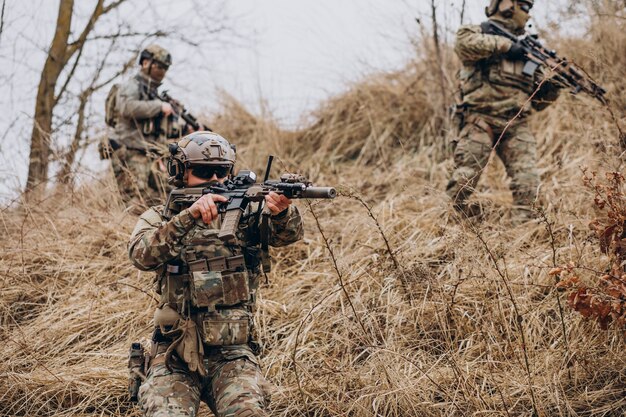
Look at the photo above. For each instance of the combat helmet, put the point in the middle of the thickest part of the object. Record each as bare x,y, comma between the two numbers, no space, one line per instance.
503,6
200,149
156,53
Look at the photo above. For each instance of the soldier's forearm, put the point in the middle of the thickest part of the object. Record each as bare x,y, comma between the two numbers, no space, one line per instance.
140,109
151,247
287,228
472,46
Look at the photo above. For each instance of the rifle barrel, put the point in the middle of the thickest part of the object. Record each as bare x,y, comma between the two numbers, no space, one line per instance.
319,192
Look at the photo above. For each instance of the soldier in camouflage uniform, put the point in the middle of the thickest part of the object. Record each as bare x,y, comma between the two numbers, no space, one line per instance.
142,128
203,348
494,90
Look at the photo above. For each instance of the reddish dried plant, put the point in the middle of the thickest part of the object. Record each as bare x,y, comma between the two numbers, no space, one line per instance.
602,296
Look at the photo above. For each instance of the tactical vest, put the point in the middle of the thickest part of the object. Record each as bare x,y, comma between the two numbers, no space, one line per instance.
497,71
158,127
214,284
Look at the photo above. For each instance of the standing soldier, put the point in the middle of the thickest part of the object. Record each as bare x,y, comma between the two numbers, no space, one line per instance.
203,348
496,91
142,126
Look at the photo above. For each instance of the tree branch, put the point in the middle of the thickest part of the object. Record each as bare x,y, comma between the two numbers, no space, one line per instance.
2,17
157,34
69,78
98,11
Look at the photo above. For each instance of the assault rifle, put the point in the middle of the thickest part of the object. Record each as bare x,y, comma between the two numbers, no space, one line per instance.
243,189
181,111
566,73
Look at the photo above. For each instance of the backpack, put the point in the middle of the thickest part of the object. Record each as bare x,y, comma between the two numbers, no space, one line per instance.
110,106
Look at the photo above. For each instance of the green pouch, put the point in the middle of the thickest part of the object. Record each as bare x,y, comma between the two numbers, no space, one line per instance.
211,289
226,329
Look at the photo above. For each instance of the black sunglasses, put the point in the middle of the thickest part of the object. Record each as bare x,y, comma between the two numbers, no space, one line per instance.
525,7
161,65
207,171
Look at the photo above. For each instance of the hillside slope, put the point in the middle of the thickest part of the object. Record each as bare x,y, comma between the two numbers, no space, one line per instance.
391,306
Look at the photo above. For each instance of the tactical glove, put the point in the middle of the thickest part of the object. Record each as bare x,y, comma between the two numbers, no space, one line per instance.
516,52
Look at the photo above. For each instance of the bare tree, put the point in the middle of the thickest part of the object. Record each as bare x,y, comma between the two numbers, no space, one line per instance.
439,56
69,157
67,86
59,56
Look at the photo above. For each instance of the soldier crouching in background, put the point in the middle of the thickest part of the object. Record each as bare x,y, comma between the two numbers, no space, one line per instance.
203,349
142,126
495,88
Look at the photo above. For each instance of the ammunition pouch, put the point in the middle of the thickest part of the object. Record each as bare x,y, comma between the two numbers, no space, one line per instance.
218,281
478,121
136,370
226,327
470,78
511,74
216,292
149,127
106,147
166,127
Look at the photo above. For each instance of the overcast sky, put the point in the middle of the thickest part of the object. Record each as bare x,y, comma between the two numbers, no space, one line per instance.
292,54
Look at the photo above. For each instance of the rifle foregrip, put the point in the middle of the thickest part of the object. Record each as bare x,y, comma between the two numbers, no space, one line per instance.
229,225
319,192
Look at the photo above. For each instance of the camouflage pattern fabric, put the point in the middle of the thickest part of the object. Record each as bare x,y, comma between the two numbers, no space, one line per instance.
494,93
518,151
140,177
167,393
493,85
233,387
135,108
139,181
157,240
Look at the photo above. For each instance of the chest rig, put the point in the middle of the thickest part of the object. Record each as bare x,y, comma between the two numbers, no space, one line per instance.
499,71
214,283
158,127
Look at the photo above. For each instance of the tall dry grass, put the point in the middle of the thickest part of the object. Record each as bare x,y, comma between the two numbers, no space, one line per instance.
391,306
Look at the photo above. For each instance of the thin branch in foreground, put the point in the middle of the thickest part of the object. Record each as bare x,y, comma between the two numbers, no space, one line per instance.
544,218
518,316
403,279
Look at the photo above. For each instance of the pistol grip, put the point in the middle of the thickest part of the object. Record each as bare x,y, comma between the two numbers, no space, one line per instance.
229,225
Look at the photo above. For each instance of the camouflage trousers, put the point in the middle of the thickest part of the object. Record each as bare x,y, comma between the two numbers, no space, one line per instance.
234,387
517,148
140,180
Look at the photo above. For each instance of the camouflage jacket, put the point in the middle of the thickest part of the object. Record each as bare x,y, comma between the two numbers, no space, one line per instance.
140,124
201,277
493,85
135,111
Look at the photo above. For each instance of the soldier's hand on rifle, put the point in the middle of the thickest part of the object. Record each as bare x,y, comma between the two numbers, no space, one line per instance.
205,207
166,109
516,52
276,203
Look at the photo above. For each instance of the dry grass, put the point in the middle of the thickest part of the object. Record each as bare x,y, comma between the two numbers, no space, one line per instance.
423,314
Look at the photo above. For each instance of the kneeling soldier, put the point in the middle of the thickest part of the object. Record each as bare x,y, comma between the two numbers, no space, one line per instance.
202,344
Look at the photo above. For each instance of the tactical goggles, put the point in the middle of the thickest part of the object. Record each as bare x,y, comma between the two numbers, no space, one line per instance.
206,172
525,7
160,65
